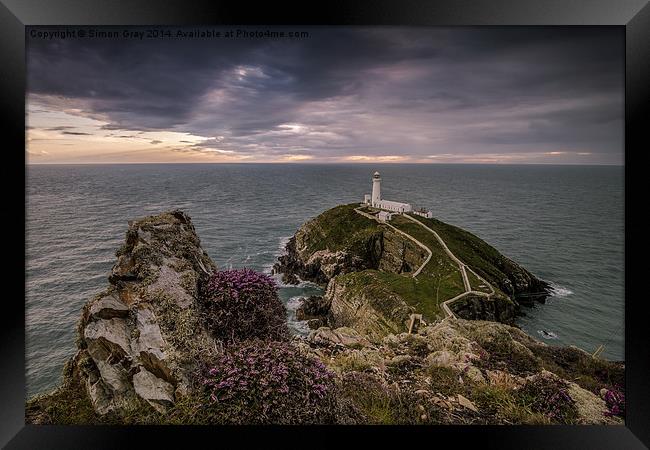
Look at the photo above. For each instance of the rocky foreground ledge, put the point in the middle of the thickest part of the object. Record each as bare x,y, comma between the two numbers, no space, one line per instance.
174,341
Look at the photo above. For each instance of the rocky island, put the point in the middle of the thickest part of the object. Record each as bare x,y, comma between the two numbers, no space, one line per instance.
411,264
415,327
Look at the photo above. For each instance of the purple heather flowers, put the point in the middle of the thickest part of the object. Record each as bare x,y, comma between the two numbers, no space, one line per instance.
243,304
270,382
261,377
615,400
550,397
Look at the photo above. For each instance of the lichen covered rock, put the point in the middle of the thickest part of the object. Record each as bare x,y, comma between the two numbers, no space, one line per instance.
131,339
372,310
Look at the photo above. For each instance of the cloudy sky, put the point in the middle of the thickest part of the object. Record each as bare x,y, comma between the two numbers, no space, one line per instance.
421,95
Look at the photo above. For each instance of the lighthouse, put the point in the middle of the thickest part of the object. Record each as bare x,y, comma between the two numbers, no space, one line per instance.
376,201
376,190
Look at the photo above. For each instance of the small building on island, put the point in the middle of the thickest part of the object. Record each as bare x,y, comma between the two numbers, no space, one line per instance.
388,206
384,216
423,212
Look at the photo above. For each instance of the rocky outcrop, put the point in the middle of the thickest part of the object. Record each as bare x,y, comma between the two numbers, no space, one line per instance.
496,308
340,242
132,347
343,336
313,307
319,250
468,371
323,248
372,310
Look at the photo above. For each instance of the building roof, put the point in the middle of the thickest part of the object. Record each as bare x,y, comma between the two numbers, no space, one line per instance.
394,204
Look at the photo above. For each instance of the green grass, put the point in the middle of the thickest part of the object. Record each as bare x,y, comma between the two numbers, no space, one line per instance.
573,364
473,251
424,294
340,228
441,278
67,405
475,283
377,403
439,259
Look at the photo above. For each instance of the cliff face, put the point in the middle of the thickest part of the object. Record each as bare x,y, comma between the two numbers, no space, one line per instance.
340,241
372,309
138,340
497,309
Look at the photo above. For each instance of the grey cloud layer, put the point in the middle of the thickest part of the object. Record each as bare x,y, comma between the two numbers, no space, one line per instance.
381,91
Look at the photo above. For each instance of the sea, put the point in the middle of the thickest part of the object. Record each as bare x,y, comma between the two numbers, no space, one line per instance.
563,223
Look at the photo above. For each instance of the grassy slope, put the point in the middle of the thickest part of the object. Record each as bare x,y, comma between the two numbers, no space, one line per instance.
419,293
440,279
475,283
480,256
340,228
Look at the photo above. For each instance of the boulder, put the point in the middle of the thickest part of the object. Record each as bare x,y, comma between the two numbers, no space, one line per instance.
115,377
312,307
100,397
343,336
473,373
156,391
150,344
442,358
591,408
106,338
108,307
466,403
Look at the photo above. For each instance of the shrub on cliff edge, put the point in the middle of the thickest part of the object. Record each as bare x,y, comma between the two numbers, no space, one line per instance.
268,382
549,396
242,304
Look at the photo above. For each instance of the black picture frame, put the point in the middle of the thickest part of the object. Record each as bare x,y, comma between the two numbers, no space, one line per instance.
15,15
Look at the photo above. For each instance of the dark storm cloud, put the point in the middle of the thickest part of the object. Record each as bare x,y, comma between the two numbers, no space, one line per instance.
59,128
76,133
354,91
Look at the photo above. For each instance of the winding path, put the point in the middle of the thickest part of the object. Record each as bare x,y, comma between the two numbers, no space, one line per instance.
417,272
461,265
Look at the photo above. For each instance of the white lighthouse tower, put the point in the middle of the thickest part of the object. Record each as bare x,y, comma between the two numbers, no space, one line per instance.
388,207
376,190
